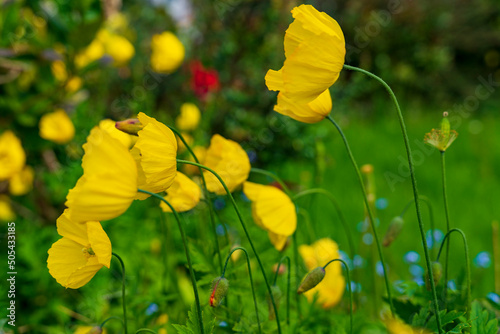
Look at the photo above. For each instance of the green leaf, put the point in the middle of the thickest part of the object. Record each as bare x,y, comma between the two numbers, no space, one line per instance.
192,326
482,321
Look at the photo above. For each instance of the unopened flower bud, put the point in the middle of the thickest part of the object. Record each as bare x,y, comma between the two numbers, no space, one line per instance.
131,126
220,285
276,291
313,278
393,231
437,272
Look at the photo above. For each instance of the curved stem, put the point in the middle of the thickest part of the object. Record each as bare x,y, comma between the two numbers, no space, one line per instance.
273,176
339,212
312,234
249,275
413,181
186,250
296,263
147,330
428,202
240,217
368,209
111,318
287,287
124,305
467,265
446,212
205,192
348,285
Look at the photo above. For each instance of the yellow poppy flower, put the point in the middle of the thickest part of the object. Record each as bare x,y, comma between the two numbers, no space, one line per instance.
81,252
158,153
109,181
6,212
90,330
181,148
397,326
229,160
22,182
58,69
311,112
189,118
315,52
74,84
200,153
93,52
57,127
12,156
272,210
167,52
116,46
184,194
109,126
332,287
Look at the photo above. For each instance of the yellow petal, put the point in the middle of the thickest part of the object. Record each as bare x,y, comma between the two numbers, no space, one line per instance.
167,52
229,160
274,80
12,156
183,195
108,125
72,230
278,241
158,149
272,207
22,182
109,182
311,112
189,118
100,243
6,213
57,127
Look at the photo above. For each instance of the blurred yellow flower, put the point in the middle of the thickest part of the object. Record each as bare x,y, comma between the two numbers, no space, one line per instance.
200,153
6,212
273,211
22,182
158,153
397,326
162,319
93,52
311,112
189,118
229,160
58,69
108,125
81,252
109,181
116,46
90,330
74,84
167,52
184,194
57,127
332,287
315,52
12,156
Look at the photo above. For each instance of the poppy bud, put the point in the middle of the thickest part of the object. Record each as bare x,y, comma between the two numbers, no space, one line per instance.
130,126
393,231
437,272
220,285
313,278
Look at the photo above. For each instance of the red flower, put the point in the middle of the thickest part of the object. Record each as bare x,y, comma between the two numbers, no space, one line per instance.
203,81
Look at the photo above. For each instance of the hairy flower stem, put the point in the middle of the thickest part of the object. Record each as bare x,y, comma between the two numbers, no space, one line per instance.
467,266
339,212
294,236
186,250
124,304
243,225
368,209
414,184
249,275
205,193
348,287
447,215
286,257
426,200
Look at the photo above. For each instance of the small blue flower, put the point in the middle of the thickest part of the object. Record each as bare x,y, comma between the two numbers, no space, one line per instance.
438,236
419,280
452,285
152,308
220,230
381,203
412,257
362,227
399,286
493,297
379,268
222,324
219,203
367,238
358,261
416,270
252,156
483,260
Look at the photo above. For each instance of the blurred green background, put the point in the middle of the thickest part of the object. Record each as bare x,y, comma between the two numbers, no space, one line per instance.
437,56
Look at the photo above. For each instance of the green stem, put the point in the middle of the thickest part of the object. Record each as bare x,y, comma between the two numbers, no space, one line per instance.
124,305
249,275
428,202
243,225
368,209
273,176
309,227
446,212
287,287
205,192
147,330
111,318
348,286
339,212
186,250
296,260
413,181
467,265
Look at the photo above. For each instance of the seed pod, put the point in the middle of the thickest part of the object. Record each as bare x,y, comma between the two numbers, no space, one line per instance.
437,272
130,126
313,278
393,231
220,286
